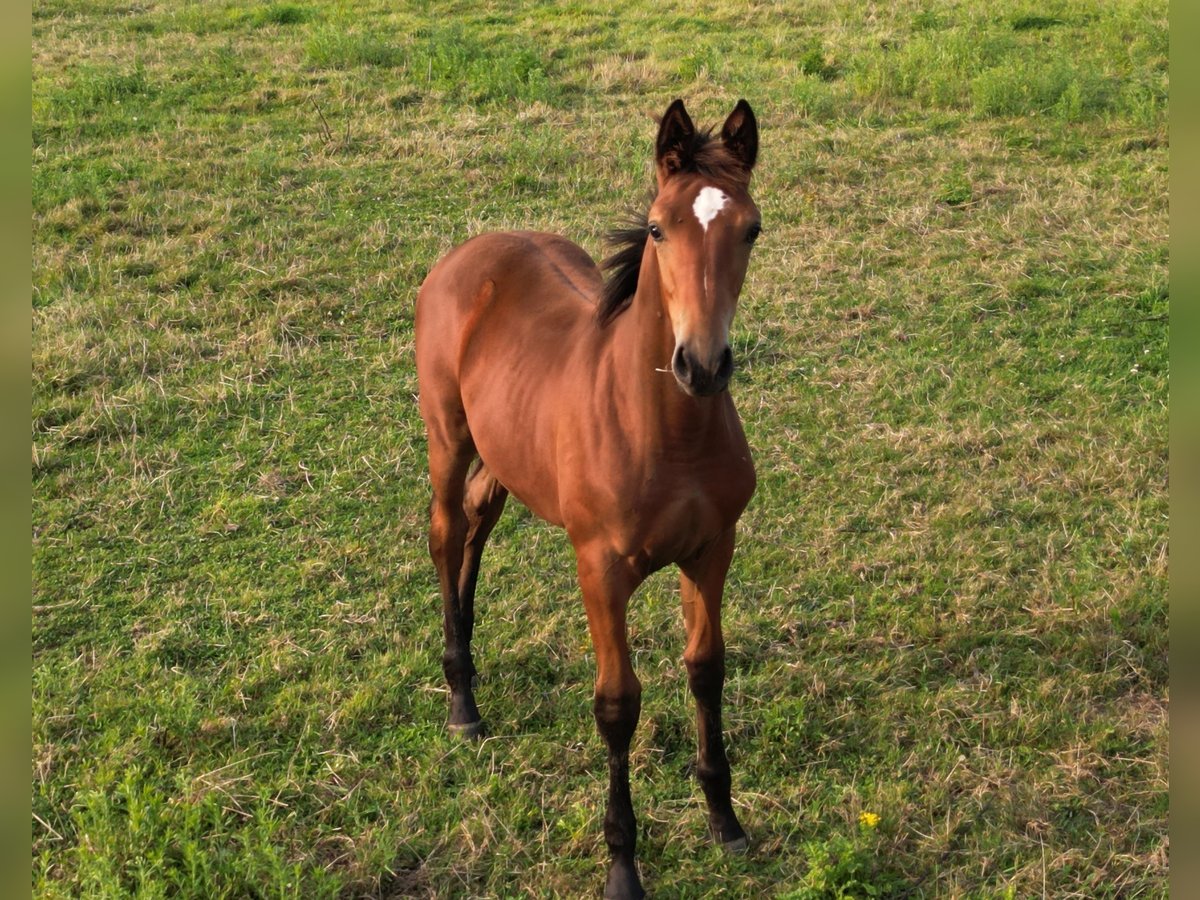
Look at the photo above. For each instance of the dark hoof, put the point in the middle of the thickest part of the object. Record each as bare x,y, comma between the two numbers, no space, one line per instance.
623,884
731,839
469,731
737,846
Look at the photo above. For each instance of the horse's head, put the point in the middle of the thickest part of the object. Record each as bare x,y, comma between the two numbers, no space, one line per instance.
702,225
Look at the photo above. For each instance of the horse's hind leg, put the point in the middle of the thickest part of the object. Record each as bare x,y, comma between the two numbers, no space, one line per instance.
450,453
483,502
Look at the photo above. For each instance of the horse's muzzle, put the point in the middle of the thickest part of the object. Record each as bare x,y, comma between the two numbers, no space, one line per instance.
699,380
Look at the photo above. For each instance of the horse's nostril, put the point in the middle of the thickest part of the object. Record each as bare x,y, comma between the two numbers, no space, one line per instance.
679,364
725,368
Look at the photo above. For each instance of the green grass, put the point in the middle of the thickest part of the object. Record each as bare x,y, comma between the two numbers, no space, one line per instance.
457,63
948,605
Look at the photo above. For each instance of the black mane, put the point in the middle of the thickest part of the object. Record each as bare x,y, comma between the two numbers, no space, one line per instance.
703,154
622,268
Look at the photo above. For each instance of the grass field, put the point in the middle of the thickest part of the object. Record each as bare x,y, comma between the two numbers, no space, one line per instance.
948,607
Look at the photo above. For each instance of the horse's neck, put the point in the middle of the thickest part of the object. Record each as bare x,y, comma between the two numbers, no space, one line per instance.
651,399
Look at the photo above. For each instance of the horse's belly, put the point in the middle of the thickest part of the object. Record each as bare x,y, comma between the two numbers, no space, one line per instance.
531,483
513,424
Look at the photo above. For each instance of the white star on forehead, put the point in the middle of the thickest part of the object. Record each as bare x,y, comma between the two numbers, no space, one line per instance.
709,202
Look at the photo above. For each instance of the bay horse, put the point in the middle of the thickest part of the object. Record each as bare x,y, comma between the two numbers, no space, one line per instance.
601,404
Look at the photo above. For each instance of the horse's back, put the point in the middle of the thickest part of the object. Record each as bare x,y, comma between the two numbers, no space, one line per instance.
534,263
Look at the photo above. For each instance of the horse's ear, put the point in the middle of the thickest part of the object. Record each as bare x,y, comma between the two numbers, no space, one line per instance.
676,133
740,134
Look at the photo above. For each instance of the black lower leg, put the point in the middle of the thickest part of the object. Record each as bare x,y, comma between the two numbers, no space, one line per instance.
466,602
706,680
483,504
446,548
459,669
616,719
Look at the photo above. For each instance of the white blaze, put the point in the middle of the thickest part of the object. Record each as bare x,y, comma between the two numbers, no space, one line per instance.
709,202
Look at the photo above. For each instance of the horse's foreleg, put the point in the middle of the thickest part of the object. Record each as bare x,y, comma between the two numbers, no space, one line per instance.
702,583
607,584
448,462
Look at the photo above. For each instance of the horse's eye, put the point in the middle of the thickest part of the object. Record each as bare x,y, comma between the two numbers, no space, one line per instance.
753,233
655,232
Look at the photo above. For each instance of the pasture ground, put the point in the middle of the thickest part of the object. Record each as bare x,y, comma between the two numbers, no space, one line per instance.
948,607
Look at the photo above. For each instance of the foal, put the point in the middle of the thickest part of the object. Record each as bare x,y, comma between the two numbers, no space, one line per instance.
602,406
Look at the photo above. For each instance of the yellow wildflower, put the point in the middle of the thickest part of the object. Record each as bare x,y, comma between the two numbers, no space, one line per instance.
869,819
